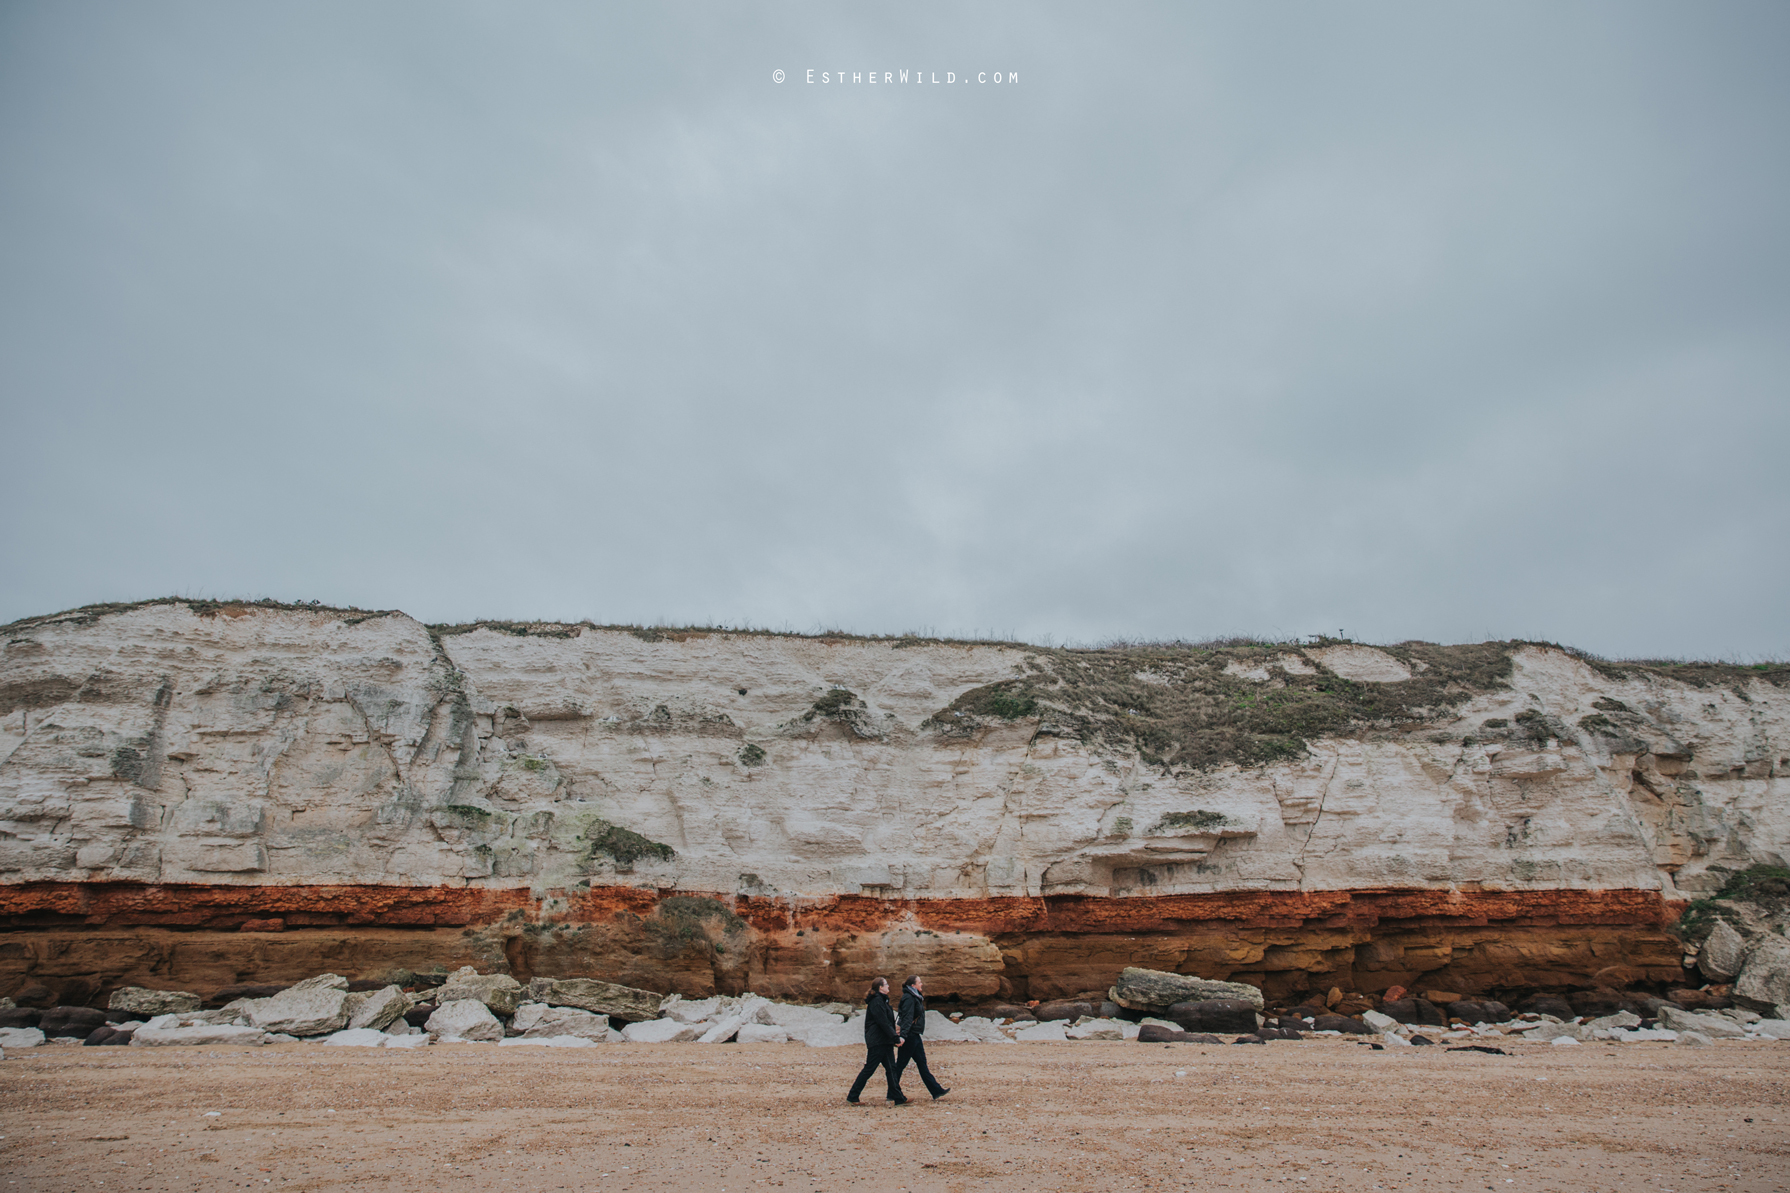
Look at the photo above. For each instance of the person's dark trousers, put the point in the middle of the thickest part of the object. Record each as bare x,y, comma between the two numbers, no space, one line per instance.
878,1055
915,1050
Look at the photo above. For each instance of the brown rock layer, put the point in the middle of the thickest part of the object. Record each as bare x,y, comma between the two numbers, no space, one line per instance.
83,939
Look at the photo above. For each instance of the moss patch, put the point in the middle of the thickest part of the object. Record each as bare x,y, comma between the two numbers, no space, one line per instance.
1764,887
1191,712
624,846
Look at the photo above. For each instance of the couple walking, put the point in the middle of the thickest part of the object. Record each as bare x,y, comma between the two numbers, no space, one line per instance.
884,1033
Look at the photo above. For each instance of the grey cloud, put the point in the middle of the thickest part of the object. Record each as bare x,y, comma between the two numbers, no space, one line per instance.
1410,320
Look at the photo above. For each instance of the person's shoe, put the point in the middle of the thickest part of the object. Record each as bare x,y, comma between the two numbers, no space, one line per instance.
853,1101
900,1101
940,1094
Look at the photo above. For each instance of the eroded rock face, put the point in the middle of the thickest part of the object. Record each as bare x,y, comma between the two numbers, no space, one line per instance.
314,1007
134,1000
1765,977
1149,989
1721,956
819,811
601,998
465,1019
499,991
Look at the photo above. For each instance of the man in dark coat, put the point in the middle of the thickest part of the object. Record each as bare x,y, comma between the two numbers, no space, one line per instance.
881,1038
911,1024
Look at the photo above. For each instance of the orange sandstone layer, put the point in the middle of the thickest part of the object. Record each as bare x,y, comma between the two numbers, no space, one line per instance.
83,939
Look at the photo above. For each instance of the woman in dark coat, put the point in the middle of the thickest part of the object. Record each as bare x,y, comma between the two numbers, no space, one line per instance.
880,1041
911,1023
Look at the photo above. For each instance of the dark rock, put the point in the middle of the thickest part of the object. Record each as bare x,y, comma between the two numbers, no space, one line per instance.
1547,1004
1150,1033
1227,1015
1495,1011
1201,1038
71,1021
1342,1023
117,1039
419,1016
1249,1040
1008,1011
1469,1011
1421,1040
230,994
1594,1003
1378,1047
98,1036
366,985
1689,1000
1647,1006
1279,1033
1415,1010
1110,1010
1050,1011
20,1017
1487,1049
35,995
1311,1010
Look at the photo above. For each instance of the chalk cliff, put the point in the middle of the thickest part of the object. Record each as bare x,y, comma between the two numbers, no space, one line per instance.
220,790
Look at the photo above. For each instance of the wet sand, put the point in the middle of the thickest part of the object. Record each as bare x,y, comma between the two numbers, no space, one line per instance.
1314,1115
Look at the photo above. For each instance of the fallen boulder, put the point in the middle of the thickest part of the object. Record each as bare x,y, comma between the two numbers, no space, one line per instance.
602,998
1716,1027
200,1033
1097,1029
1421,1012
465,1019
499,991
551,1042
1227,1015
762,1033
695,1010
1723,953
314,1007
1154,989
660,1031
1042,1033
725,1028
1546,1004
788,1015
1045,1012
20,1017
358,1037
71,1021
20,1037
377,1009
1765,977
229,994
1149,1033
538,1021
1379,1022
136,1000
1342,1023
839,1034
1476,1010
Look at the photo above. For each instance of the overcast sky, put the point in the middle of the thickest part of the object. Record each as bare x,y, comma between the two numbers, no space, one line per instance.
1416,320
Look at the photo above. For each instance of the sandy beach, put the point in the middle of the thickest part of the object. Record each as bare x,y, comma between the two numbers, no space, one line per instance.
1318,1114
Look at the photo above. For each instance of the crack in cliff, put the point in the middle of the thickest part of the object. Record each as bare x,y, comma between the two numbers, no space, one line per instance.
1299,861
